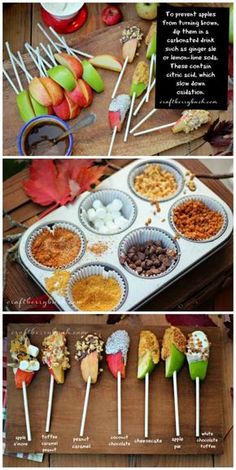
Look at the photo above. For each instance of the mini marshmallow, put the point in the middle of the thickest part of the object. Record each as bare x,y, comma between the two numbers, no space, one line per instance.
108,218
34,366
110,207
24,365
101,212
97,204
91,214
115,214
121,222
33,350
117,204
98,224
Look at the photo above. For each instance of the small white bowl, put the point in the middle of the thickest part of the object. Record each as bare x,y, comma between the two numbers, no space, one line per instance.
70,12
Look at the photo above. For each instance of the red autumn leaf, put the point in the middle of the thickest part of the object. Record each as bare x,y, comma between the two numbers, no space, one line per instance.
58,182
190,320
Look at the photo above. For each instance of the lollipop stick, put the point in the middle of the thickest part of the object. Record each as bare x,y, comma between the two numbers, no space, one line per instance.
150,77
50,397
86,399
143,100
21,64
14,66
119,402
154,129
129,117
176,403
112,140
120,77
10,81
48,37
146,409
77,51
197,407
26,408
143,120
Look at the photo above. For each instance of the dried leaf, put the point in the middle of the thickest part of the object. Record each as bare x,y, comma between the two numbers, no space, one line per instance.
219,133
190,320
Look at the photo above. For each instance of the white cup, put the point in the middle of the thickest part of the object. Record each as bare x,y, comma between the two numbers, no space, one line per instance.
56,9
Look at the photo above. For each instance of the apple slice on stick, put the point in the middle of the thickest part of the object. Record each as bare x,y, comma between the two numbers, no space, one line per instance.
150,77
117,347
151,40
148,358
89,350
138,86
56,356
197,353
118,109
173,353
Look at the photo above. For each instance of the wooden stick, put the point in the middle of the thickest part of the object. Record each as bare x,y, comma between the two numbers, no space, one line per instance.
197,407
154,129
120,77
48,37
50,398
129,117
150,77
77,51
14,66
143,100
112,141
10,81
86,400
146,407
215,177
176,404
143,120
26,409
119,420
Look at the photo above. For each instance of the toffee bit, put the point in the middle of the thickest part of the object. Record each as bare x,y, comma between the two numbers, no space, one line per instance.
148,221
98,248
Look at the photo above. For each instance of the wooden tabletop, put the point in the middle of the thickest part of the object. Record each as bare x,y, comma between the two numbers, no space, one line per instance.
25,16
194,291
224,460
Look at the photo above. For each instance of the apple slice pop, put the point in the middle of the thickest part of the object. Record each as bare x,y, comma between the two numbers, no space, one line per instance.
55,356
148,358
197,353
150,41
173,353
118,109
117,347
24,366
89,349
138,86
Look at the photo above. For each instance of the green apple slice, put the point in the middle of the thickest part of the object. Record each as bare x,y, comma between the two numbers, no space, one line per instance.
151,46
198,369
38,108
63,76
92,77
145,365
137,88
24,105
174,361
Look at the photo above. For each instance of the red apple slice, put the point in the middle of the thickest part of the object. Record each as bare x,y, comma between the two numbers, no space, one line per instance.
116,364
106,61
39,92
23,376
82,94
73,107
73,64
62,110
54,90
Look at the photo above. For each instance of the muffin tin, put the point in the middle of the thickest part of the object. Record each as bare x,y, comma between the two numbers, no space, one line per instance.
138,289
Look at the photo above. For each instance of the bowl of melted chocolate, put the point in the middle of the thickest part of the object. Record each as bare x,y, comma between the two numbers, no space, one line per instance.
37,136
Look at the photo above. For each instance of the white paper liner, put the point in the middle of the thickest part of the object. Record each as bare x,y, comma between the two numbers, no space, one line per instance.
102,269
143,235
106,196
165,166
51,226
213,204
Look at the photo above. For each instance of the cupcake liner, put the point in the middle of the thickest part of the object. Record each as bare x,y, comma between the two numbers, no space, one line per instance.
143,235
106,196
105,270
51,226
165,166
212,204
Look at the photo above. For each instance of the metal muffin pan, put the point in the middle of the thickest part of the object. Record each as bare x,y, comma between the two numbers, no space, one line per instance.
139,289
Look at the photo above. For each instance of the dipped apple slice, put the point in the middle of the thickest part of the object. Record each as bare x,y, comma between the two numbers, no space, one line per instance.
148,358
138,86
89,349
197,353
117,347
118,109
173,353
25,364
56,356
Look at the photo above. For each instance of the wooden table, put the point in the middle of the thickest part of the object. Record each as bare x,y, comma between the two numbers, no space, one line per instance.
224,460
207,287
24,17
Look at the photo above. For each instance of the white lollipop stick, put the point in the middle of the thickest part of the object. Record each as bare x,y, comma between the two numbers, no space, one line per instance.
14,66
119,422
51,55
50,398
120,77
63,42
42,68
150,77
21,64
112,140
48,54
10,81
176,404
86,400
129,117
34,51
27,46
48,37
143,120
146,408
154,129
143,100
197,407
26,408
77,51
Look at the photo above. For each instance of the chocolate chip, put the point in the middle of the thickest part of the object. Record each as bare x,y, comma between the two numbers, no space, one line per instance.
149,259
